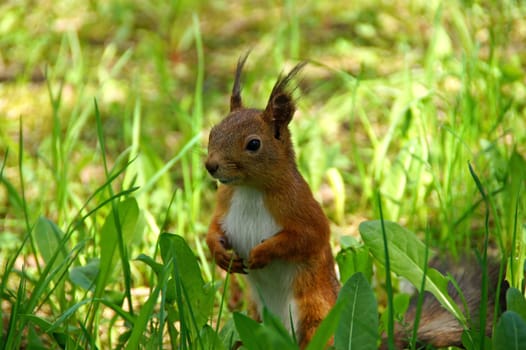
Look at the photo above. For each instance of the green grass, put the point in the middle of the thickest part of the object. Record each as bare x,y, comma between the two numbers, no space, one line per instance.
105,108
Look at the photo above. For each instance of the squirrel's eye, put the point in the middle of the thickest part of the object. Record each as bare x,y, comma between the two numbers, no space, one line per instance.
253,145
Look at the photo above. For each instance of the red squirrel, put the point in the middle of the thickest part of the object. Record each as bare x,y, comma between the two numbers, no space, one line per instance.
268,226
267,223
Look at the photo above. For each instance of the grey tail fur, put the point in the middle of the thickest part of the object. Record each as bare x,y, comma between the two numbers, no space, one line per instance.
438,327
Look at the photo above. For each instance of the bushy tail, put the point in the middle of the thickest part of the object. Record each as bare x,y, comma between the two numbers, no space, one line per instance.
438,327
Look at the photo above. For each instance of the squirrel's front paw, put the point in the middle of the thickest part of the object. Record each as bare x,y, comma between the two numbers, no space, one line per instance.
227,260
258,258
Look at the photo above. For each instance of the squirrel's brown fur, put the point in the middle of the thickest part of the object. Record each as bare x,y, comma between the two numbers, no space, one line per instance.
267,223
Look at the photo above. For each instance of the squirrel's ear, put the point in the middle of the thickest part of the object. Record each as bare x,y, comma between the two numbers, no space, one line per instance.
281,107
235,98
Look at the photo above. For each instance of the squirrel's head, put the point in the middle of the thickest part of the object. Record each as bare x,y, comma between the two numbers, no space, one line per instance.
252,146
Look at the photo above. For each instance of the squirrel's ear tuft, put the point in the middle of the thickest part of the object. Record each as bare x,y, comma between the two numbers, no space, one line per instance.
281,107
235,98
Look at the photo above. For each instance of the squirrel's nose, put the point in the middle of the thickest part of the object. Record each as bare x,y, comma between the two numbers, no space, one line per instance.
211,166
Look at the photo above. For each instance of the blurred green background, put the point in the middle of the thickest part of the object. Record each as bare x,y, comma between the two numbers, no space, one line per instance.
398,98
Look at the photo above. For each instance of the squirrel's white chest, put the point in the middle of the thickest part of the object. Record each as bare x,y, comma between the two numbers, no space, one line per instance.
246,224
248,221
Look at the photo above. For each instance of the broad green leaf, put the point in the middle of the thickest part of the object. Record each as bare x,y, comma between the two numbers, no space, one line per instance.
229,334
515,302
267,335
171,291
276,332
128,212
407,259
358,326
48,238
192,293
156,267
327,328
350,242
341,319
85,276
354,259
52,246
250,332
510,332
210,339
401,304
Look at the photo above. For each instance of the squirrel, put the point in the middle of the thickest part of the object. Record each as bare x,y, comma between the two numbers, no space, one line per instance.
267,223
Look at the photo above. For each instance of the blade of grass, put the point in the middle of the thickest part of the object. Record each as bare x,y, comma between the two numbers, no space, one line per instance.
484,262
125,262
223,296
141,322
14,334
421,293
388,282
58,161
517,172
4,161
196,174
23,194
47,276
187,147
